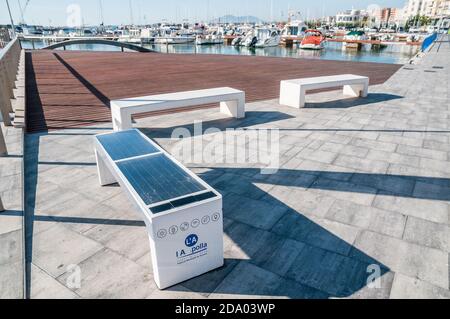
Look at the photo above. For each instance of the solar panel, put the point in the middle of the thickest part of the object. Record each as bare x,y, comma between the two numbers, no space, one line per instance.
126,144
157,179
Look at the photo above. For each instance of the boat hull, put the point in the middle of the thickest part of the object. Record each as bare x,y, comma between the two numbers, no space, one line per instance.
311,46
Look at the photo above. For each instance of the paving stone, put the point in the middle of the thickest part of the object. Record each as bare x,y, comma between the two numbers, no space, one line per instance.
58,247
349,150
107,275
10,221
432,210
381,221
122,239
247,281
365,165
359,194
381,289
206,284
301,201
394,158
442,166
11,280
417,142
334,274
421,152
43,286
430,191
428,234
243,242
280,258
326,234
374,145
317,155
405,287
435,145
252,212
400,186
11,247
412,260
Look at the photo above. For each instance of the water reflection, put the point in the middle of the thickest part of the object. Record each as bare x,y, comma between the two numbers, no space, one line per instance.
393,53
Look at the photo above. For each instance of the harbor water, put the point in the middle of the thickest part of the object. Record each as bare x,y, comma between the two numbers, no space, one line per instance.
392,53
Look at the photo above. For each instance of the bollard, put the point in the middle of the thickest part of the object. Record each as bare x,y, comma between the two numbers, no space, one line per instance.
2,209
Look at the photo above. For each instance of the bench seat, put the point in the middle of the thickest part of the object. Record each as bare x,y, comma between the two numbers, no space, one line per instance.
292,92
232,103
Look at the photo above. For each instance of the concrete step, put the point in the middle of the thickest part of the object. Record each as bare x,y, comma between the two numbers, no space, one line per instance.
18,104
19,122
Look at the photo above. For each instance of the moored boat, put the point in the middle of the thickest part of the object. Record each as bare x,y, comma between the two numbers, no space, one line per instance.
313,40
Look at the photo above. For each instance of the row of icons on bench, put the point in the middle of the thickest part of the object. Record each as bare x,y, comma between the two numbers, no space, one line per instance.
173,230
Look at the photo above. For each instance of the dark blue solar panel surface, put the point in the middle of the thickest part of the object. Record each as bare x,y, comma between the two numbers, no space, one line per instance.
126,144
156,179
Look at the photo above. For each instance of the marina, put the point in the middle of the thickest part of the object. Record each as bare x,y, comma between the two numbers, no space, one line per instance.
396,54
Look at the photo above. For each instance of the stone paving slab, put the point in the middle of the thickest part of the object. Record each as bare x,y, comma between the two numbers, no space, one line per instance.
11,220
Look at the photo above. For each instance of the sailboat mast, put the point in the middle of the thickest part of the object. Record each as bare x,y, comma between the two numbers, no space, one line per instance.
131,13
101,12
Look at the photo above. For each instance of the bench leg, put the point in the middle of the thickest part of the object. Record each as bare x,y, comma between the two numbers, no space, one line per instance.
105,176
356,90
292,95
121,121
233,108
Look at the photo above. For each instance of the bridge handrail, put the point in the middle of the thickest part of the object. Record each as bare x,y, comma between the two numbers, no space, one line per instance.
129,46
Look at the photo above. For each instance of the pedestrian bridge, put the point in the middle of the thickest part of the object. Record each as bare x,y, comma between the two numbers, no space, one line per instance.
122,45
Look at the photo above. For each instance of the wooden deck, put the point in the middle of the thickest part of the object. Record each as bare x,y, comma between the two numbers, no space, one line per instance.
73,89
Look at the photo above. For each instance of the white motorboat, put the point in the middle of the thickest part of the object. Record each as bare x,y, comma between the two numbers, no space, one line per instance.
352,37
148,36
168,35
249,40
130,36
267,37
212,38
294,30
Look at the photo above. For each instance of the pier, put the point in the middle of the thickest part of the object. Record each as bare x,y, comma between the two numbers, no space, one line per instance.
72,89
362,182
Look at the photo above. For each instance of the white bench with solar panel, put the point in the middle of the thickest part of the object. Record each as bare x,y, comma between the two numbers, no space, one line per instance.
182,213
293,92
232,103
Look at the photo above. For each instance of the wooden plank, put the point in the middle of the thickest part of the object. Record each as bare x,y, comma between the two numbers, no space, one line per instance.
73,89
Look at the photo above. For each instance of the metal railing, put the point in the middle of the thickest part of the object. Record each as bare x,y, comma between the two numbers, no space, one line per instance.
9,68
429,41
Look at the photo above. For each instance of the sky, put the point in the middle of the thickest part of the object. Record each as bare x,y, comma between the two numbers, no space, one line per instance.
116,12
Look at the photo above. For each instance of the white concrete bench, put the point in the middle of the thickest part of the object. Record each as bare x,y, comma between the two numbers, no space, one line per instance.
292,92
232,103
183,214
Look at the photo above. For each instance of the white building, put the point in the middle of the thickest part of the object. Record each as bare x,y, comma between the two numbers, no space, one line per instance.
429,8
351,17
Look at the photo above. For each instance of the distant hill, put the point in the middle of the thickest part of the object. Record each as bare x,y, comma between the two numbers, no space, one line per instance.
235,19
